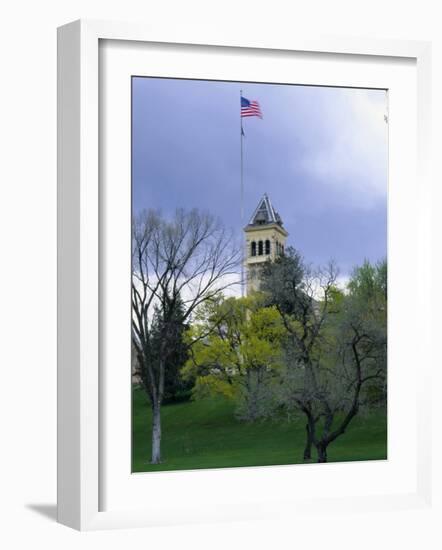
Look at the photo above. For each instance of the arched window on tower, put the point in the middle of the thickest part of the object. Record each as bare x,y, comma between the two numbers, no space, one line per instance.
267,247
260,248
253,249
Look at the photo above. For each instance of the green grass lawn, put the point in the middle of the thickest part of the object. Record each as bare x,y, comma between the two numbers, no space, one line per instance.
206,434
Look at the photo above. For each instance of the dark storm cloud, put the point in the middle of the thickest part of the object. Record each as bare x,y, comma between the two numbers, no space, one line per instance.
320,153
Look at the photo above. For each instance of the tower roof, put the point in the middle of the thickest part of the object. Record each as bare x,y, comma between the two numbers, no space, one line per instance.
265,213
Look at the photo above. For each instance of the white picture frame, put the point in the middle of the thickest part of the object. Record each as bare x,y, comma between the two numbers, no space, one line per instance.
79,263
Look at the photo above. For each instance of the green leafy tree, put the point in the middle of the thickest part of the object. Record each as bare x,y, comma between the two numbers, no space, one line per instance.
239,354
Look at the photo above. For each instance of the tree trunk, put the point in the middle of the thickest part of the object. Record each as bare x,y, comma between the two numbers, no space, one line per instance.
322,452
308,444
156,434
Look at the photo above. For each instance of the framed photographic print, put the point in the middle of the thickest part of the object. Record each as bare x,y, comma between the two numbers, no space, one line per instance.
259,274
237,225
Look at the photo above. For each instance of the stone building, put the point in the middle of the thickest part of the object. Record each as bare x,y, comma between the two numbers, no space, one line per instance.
265,239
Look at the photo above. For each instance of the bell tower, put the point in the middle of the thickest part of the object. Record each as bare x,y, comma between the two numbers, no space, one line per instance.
264,240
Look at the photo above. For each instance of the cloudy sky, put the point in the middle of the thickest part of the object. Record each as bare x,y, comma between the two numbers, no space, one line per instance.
320,153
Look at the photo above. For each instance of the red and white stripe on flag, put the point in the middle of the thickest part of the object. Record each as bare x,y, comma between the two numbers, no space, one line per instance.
252,109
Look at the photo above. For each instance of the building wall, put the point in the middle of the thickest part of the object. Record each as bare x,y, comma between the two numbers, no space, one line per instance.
272,232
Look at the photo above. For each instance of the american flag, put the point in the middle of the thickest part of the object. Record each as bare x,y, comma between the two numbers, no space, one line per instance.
250,108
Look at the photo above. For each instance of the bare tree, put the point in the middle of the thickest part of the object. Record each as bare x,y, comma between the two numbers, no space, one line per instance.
334,347
302,297
354,370
357,360
176,265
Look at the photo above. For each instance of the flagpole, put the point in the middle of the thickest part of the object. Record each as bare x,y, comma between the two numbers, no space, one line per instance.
242,194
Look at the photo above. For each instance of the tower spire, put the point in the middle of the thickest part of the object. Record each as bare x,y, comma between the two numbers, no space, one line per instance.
265,213
264,240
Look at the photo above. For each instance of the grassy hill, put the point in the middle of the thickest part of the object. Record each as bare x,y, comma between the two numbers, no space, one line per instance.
206,434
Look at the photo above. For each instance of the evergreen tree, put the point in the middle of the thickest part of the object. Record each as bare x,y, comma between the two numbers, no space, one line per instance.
175,387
